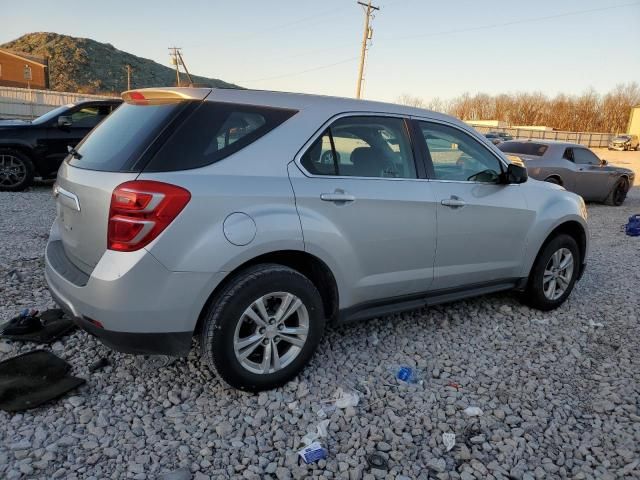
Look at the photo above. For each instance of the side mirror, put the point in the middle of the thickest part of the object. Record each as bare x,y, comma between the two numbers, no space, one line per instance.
516,174
603,162
64,121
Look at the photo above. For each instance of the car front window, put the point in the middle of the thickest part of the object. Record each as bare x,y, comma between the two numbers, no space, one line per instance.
52,114
457,156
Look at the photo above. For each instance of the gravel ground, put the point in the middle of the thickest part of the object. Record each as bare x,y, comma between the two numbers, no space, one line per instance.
560,396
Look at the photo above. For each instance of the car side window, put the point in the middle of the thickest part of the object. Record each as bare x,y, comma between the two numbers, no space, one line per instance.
568,154
583,156
236,126
369,146
459,157
87,117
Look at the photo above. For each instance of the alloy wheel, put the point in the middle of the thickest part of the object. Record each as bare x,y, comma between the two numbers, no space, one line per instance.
558,274
271,332
13,171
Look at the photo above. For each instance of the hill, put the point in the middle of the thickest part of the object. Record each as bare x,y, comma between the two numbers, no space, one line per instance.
84,65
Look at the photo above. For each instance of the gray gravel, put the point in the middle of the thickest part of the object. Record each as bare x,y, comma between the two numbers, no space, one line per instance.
560,397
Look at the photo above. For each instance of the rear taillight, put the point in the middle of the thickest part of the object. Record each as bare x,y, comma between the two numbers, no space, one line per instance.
140,210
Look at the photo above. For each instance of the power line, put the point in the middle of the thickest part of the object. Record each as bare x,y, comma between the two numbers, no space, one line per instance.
441,33
290,74
512,22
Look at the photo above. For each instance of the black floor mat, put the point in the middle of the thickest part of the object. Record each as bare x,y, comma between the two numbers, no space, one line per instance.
54,325
34,378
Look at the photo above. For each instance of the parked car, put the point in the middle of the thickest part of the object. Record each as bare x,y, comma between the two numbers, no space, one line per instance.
575,167
624,142
36,148
504,136
252,219
494,138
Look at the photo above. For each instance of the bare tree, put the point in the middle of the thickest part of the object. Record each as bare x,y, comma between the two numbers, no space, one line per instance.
589,111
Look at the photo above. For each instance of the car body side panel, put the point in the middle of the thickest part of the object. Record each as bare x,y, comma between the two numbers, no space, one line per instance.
383,242
484,240
551,212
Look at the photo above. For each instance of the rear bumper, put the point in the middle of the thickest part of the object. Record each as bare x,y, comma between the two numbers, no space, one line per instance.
132,303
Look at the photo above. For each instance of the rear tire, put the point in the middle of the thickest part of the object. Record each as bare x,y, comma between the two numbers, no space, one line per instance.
554,180
618,193
551,280
249,341
16,170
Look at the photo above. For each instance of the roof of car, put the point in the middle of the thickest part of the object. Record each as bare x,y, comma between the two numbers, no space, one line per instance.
300,101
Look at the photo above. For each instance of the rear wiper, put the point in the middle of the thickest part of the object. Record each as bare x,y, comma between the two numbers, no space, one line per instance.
73,152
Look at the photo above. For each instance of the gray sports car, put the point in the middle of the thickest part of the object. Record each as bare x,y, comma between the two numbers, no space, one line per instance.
573,166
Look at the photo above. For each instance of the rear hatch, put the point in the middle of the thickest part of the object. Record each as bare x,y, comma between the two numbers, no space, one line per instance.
113,153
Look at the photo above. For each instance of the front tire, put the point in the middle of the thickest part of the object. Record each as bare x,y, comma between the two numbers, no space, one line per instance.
263,327
16,170
618,193
554,274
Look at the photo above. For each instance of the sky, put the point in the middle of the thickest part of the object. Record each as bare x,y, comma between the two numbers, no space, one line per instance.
421,48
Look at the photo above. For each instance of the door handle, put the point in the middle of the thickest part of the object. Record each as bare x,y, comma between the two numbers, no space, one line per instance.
337,197
453,202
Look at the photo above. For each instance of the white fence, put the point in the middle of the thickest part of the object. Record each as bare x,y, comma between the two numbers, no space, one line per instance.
28,104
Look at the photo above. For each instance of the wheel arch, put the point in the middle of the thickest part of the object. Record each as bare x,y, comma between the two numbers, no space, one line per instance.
25,149
557,177
305,263
575,230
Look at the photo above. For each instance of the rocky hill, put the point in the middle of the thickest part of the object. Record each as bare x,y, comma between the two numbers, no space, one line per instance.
84,65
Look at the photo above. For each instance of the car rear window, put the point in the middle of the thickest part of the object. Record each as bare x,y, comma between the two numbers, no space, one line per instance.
214,131
119,141
524,148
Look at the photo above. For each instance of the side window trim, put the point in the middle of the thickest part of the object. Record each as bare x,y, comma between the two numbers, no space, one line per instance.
326,128
427,157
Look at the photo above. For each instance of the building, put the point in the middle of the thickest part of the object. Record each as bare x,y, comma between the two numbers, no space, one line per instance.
634,121
23,70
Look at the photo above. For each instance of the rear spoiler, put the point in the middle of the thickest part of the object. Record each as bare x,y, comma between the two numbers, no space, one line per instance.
160,96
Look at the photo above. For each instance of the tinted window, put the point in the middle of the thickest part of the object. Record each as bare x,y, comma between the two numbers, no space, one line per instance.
213,132
53,114
87,117
122,137
585,157
362,147
524,148
458,156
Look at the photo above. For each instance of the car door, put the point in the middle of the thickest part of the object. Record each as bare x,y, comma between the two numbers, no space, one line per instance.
79,121
593,181
365,205
482,223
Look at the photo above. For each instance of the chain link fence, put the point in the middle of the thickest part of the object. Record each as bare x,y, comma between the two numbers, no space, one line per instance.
588,139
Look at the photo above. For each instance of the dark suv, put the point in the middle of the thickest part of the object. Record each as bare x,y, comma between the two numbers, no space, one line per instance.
36,148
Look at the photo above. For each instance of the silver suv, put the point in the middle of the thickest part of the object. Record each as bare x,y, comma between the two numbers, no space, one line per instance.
251,220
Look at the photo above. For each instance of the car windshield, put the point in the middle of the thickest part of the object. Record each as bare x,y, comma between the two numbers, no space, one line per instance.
524,148
52,114
623,137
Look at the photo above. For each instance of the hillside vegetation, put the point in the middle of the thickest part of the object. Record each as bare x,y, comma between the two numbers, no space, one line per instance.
84,65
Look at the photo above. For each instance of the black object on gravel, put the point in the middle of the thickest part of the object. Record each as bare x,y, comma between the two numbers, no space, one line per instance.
34,378
46,328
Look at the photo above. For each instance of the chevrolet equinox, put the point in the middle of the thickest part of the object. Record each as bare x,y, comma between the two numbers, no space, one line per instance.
252,219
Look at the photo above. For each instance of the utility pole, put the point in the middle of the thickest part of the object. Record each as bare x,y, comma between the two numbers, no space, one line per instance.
175,61
366,36
185,66
128,67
